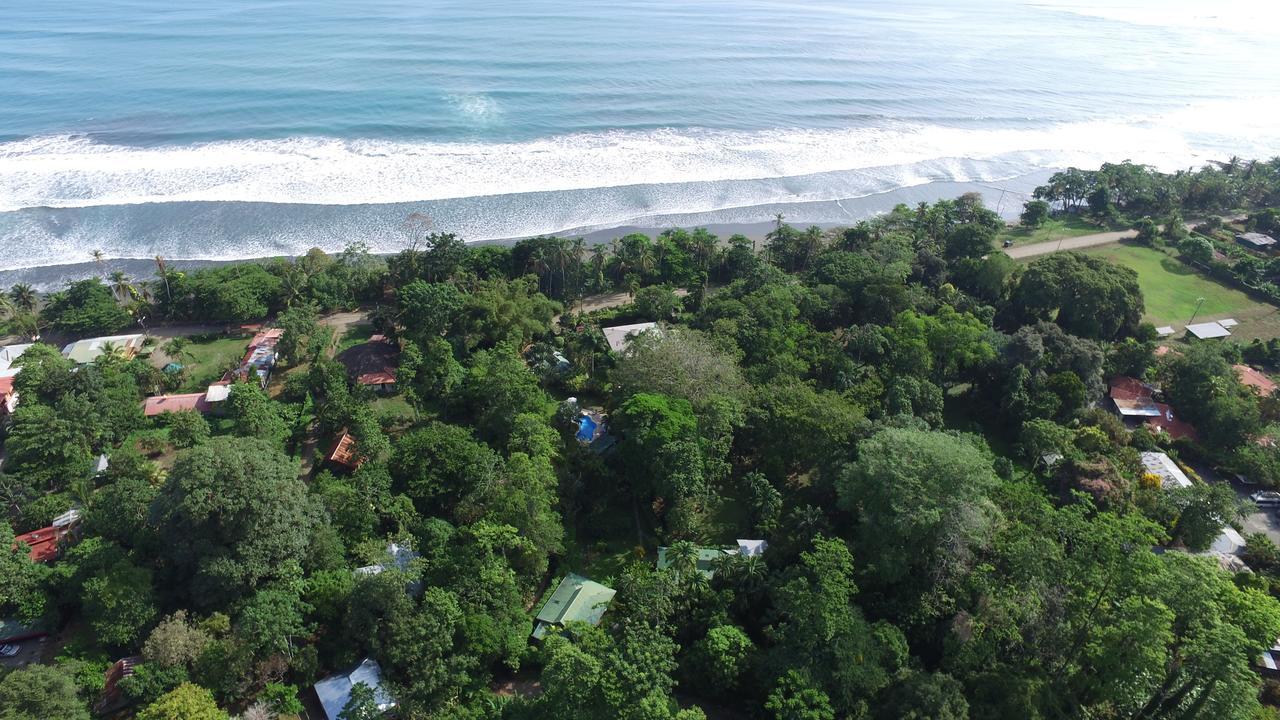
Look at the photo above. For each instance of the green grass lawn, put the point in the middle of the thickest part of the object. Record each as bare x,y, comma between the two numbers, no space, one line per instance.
209,360
1172,289
1056,229
357,334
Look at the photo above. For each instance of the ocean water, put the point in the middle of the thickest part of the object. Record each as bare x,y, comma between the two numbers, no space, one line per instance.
246,128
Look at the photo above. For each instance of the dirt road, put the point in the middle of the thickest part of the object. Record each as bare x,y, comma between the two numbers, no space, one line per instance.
1075,243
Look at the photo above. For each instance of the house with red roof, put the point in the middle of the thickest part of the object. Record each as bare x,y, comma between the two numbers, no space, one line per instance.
162,404
344,452
1132,398
1255,379
1170,425
44,544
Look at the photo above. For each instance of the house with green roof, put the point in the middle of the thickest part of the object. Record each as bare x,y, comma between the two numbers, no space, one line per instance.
576,599
706,557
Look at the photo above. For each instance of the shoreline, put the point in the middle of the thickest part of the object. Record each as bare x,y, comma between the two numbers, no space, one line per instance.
752,221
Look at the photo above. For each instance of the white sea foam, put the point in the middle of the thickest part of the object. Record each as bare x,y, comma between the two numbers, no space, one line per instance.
68,171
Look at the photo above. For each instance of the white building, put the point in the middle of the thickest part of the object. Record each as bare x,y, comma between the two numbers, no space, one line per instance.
335,691
1163,467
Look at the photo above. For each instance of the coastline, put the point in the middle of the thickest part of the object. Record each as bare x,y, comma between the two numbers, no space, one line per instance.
752,221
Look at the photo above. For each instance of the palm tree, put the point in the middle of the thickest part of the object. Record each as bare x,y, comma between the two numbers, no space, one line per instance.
100,258
164,275
178,349
682,558
121,287
598,261
24,297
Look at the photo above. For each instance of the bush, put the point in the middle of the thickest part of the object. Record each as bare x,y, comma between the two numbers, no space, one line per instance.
1035,214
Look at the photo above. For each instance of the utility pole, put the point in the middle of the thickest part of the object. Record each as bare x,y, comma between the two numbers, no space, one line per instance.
1199,302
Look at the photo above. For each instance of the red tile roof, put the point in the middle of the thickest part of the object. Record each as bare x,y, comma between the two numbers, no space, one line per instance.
1255,379
1130,389
381,377
344,452
161,404
43,542
1169,424
265,336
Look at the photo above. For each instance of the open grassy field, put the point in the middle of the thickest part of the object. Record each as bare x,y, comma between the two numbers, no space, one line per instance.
1172,290
1055,229
207,361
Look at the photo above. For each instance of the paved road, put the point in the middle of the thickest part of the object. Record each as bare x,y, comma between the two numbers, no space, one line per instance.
1075,243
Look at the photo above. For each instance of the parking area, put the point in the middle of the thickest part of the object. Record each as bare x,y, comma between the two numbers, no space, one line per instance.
1264,521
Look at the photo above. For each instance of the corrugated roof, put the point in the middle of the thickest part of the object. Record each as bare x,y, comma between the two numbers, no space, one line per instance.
619,336
1163,467
1124,387
10,353
1169,424
43,543
705,557
161,404
344,452
1208,331
335,691
1255,379
381,377
576,599
1142,407
86,351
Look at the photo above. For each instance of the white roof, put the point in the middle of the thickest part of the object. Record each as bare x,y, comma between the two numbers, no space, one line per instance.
400,556
1208,330
1165,330
69,517
217,393
1269,661
619,335
1228,322
749,548
88,350
1228,543
1163,466
335,691
9,353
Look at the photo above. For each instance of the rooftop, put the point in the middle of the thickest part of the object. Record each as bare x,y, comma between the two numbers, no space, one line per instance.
335,691
576,599
162,404
619,336
705,558
1124,387
1163,467
10,353
90,349
1165,330
1208,330
344,452
371,363
1256,239
43,543
1255,379
1169,424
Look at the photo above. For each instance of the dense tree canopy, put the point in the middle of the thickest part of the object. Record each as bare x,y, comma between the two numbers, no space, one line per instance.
917,427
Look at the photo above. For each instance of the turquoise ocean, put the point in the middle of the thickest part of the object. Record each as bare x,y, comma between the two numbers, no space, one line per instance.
247,128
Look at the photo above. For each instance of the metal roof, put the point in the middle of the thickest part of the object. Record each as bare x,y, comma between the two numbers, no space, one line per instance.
335,691
620,336
1163,467
1209,330
576,599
